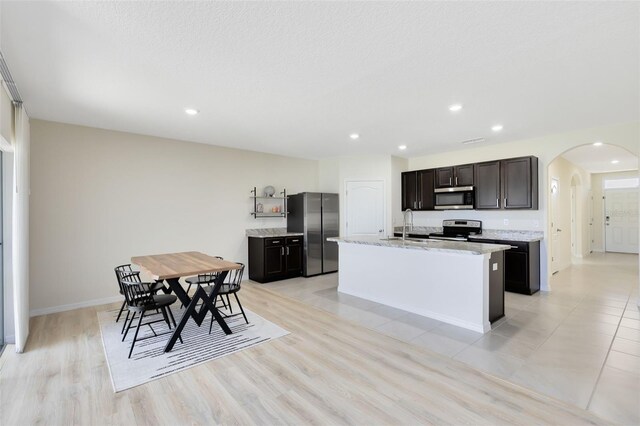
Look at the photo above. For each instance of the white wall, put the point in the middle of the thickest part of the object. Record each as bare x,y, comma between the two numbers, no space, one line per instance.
99,197
597,183
565,172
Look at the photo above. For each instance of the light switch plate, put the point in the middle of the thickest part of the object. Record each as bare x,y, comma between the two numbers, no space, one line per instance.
495,266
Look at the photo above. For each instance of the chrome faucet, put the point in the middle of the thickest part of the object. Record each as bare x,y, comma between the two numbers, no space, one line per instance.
404,223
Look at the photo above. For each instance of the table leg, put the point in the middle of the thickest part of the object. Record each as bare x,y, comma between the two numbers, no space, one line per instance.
191,304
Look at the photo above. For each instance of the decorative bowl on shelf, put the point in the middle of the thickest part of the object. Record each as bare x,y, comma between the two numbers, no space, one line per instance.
269,191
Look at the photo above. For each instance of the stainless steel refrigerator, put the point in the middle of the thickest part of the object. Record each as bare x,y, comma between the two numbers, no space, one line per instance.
316,215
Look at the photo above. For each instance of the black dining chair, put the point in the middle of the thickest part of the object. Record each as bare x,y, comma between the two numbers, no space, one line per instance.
127,269
231,285
203,279
140,299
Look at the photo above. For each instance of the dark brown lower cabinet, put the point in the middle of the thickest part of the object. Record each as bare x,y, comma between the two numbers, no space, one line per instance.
272,259
521,265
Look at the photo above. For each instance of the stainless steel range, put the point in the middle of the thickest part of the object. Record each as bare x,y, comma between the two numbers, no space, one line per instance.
457,230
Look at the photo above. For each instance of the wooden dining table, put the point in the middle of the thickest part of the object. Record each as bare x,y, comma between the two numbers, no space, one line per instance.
170,267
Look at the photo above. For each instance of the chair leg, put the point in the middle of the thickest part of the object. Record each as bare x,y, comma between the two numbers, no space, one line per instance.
223,302
166,318
174,321
124,303
129,326
135,336
241,310
126,320
228,302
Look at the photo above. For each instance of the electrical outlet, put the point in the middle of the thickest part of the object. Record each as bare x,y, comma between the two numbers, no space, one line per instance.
495,266
505,222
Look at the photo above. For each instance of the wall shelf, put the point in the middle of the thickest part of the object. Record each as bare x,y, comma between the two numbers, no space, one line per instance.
281,204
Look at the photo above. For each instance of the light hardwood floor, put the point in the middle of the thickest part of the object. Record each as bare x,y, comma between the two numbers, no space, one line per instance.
327,371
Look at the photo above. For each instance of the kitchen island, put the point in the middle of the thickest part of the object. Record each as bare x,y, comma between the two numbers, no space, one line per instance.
460,283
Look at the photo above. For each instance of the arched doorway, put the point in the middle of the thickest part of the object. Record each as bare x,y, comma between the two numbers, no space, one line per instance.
577,218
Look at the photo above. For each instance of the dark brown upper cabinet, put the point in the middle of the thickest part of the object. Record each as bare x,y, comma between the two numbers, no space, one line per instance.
520,183
507,184
455,176
488,185
417,190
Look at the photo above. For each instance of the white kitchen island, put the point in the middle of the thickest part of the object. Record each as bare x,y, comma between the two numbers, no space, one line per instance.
450,281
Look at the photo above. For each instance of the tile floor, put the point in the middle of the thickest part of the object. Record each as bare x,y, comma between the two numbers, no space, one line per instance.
579,343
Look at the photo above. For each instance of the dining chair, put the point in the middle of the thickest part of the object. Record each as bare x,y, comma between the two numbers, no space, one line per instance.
140,299
203,279
231,285
127,269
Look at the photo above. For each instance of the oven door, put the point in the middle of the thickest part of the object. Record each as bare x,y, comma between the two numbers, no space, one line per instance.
454,198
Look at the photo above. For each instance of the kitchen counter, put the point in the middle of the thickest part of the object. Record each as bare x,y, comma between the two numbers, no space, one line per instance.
271,233
487,234
460,247
457,282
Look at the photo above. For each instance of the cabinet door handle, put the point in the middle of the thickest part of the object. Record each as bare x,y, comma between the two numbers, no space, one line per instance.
415,204
515,247
505,202
276,242
419,204
450,184
287,251
281,251
497,202
456,180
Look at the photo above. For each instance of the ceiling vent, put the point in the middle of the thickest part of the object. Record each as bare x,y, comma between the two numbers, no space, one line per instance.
8,81
472,141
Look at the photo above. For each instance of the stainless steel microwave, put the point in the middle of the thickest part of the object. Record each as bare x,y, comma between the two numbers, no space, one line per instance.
455,198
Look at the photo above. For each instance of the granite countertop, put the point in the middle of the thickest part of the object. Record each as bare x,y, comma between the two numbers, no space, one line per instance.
460,247
487,234
499,234
271,233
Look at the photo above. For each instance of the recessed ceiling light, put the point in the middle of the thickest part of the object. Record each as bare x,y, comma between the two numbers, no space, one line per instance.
497,127
191,111
597,144
455,107
354,136
615,161
402,147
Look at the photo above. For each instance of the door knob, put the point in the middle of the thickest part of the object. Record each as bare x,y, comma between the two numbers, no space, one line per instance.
559,230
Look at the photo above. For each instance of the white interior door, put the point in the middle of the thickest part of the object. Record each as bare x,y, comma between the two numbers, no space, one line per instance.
621,220
554,191
364,208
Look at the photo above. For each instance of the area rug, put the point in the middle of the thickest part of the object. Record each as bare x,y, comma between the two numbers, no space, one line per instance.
149,361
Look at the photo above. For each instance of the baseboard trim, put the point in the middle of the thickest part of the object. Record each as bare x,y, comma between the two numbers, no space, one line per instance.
72,306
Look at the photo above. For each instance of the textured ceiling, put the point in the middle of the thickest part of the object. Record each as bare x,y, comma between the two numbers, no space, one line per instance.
597,159
297,78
